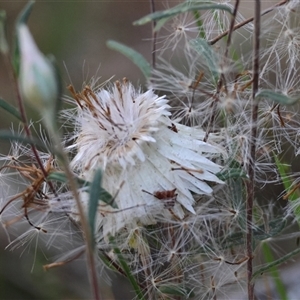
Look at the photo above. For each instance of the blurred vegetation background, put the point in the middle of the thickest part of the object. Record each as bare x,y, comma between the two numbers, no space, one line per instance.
75,32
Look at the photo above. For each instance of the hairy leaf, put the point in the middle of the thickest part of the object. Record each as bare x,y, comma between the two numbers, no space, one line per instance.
277,97
10,109
179,9
133,55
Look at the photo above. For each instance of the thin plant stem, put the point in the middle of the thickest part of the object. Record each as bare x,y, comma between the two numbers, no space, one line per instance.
154,35
231,28
253,138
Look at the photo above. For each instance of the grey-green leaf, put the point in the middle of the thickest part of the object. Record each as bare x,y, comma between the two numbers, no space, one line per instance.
104,195
160,23
275,263
58,176
95,193
259,234
179,291
61,177
133,55
182,8
127,270
231,173
210,58
275,227
10,109
277,97
10,136
293,195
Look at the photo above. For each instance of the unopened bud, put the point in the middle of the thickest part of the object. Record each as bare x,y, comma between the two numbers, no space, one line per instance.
37,77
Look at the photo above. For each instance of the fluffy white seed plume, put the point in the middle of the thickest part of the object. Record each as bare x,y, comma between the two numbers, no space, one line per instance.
150,163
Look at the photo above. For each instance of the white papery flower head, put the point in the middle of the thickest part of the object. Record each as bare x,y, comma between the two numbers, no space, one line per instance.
150,163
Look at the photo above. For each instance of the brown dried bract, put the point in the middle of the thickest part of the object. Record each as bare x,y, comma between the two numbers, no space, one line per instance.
167,196
33,195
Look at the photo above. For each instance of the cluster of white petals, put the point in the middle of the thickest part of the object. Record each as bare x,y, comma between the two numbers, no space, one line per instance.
151,164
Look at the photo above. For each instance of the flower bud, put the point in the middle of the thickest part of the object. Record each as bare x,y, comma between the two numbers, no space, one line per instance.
37,77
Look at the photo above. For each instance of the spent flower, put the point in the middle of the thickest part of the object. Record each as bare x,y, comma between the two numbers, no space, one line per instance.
152,164
185,173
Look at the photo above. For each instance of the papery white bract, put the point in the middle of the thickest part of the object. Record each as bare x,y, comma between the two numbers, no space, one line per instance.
130,136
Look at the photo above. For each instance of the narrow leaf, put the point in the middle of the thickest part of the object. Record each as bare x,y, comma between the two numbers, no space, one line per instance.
199,24
133,55
210,58
127,270
277,97
104,195
236,188
292,190
259,234
112,265
10,136
283,168
178,10
275,263
61,177
275,227
95,193
231,173
287,182
10,109
269,257
160,23
180,291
